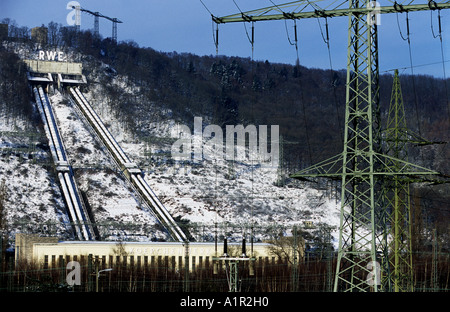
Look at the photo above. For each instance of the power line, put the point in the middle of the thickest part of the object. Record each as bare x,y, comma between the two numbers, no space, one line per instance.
442,56
415,66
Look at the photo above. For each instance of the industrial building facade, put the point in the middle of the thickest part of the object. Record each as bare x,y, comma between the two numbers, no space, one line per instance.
49,252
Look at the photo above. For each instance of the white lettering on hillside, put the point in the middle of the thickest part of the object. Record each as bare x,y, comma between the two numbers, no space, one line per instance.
52,56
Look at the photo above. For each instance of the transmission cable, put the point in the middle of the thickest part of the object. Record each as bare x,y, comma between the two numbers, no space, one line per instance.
206,7
215,34
408,39
333,82
252,42
442,56
443,63
297,63
216,37
216,31
415,66
439,22
287,32
247,18
295,43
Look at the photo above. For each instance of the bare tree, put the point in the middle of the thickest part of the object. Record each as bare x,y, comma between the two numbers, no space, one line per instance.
283,247
3,224
3,196
120,249
54,34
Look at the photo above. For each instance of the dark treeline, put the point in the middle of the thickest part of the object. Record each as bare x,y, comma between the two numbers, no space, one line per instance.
14,102
308,104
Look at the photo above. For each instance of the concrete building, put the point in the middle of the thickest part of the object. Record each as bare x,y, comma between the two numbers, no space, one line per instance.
25,243
47,252
55,72
45,67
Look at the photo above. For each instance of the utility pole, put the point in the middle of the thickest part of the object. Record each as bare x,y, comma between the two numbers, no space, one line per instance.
96,263
186,265
90,274
97,273
434,265
361,166
329,261
295,260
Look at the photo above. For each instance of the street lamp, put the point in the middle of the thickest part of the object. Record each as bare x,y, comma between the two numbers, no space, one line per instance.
97,275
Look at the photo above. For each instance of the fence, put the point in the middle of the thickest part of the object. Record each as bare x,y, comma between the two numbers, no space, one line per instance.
160,274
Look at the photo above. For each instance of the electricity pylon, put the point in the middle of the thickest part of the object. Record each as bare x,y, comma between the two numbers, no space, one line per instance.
396,189
397,204
361,166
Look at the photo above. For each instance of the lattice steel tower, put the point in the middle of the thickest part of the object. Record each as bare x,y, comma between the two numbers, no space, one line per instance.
398,273
361,166
396,190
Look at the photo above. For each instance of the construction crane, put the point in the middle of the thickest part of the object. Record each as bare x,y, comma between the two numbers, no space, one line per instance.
362,165
96,15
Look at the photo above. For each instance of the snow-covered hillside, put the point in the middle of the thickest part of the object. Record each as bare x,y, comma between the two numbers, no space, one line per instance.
33,200
209,191
203,193
114,203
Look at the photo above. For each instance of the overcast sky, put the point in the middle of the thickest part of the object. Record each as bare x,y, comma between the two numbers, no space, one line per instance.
185,26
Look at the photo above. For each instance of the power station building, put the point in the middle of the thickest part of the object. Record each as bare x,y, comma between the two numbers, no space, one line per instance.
48,252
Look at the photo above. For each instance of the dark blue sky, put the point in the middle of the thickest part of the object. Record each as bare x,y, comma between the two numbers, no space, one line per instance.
185,26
